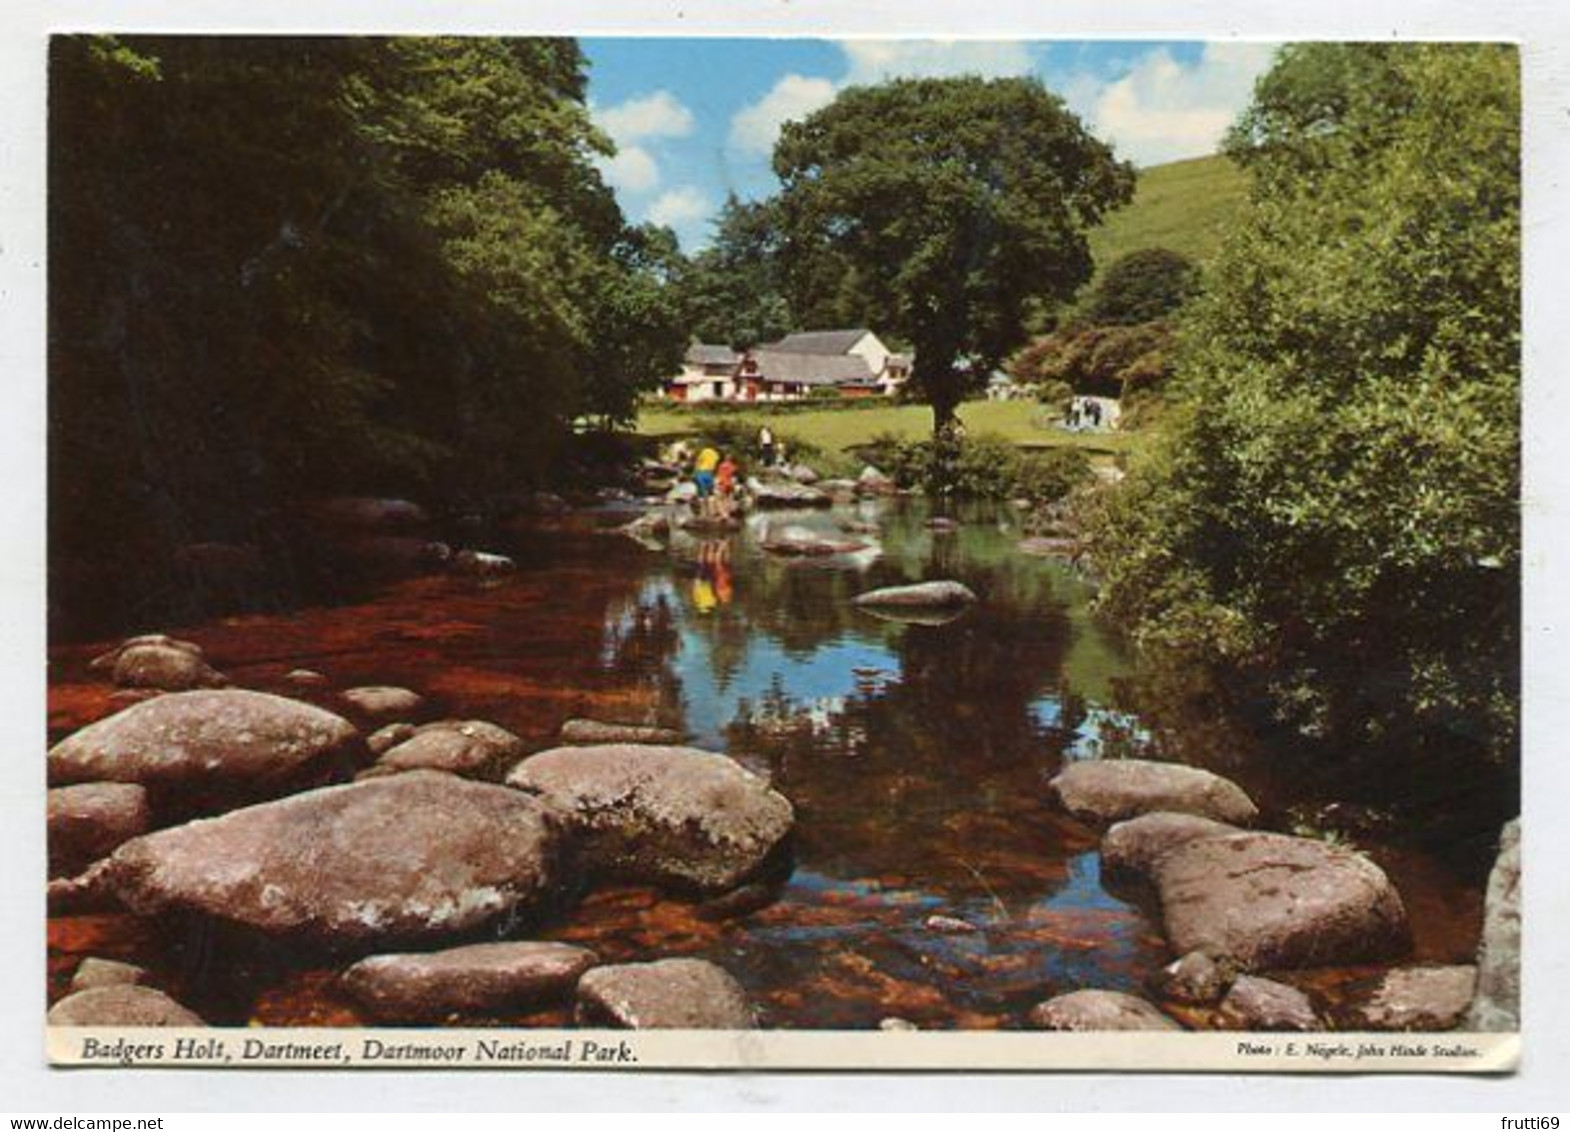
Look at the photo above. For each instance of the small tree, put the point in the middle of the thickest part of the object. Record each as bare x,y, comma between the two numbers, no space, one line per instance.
1142,286
957,205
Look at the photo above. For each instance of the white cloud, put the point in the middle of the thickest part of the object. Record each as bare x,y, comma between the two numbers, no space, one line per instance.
632,169
873,60
755,127
679,207
657,115
1164,110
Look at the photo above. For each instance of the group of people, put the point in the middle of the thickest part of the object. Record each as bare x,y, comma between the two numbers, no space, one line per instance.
714,475
1084,412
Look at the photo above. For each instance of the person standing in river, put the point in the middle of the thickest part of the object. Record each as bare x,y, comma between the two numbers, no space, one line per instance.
725,486
703,478
766,446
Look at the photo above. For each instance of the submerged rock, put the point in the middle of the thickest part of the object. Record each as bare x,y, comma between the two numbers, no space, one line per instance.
924,595
1264,1004
93,972
1497,1004
669,815
787,494
90,821
1111,790
459,746
123,1005
592,732
1412,998
670,994
949,925
1267,900
378,706
229,743
1090,1010
413,856
479,564
366,513
799,542
1195,979
1132,848
484,978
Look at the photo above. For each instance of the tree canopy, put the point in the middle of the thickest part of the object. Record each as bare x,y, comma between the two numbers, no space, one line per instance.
943,209
1336,509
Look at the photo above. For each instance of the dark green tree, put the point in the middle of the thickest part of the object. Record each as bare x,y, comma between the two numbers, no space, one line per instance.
732,292
950,207
1142,286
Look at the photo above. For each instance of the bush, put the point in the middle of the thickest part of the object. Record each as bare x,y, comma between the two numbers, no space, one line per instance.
1142,286
1098,359
985,467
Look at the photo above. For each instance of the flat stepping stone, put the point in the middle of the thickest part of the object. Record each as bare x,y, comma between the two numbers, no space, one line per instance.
484,978
1093,1010
670,994
1112,790
923,595
1132,848
1412,998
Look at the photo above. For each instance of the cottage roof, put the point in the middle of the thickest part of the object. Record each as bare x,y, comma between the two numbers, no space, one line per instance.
704,354
819,342
900,361
810,369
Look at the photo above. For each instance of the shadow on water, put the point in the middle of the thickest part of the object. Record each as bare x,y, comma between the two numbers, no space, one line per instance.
914,753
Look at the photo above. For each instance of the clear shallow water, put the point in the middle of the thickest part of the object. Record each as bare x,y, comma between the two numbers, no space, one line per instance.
915,756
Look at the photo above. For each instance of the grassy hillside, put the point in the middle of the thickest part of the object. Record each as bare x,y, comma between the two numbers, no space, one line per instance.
1185,206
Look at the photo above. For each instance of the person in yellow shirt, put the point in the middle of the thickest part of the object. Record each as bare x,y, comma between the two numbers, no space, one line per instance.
703,476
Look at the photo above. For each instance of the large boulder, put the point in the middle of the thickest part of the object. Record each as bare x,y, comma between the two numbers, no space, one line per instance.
414,856
484,978
1089,1010
90,821
1264,900
922,595
154,660
210,744
460,746
1411,998
594,733
671,815
120,1005
1112,790
1264,1004
1497,1005
1131,848
671,994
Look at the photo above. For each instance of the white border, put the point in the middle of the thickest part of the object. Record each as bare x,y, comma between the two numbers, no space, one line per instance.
1543,26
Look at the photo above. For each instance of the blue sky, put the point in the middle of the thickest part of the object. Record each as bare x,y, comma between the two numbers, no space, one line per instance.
694,119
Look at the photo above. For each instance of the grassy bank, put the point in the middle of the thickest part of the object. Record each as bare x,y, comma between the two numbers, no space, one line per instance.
1186,206
840,430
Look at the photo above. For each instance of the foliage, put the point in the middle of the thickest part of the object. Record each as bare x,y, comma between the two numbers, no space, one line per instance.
950,207
732,291
1142,286
983,467
1100,360
296,266
1332,515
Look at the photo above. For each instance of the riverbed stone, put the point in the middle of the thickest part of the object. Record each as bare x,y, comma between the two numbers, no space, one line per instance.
105,662
382,704
1254,1003
413,856
166,668
1196,979
873,481
384,739
923,595
669,994
122,1005
465,747
1113,790
668,815
94,972
1131,848
1496,1007
1412,998
594,733
479,564
1091,1010
483,978
228,743
782,493
802,542
91,820
1266,900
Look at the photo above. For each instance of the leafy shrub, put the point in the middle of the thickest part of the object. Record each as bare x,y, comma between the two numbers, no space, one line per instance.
984,467
1142,286
1098,359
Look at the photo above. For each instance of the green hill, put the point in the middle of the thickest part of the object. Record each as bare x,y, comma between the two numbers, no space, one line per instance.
1185,206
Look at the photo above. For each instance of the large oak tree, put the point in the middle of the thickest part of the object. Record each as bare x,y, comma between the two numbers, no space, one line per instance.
955,205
